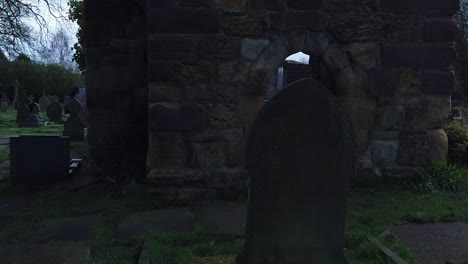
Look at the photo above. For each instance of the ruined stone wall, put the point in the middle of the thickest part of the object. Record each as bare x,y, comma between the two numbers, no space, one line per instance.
116,80
210,62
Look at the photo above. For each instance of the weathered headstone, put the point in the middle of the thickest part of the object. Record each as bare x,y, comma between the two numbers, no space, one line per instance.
84,116
300,155
55,112
43,102
73,126
34,108
66,100
5,99
3,106
22,110
16,86
29,165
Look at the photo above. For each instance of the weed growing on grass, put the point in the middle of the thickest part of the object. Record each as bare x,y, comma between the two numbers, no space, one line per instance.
441,177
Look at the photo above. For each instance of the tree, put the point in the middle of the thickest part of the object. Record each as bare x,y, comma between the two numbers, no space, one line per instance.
76,14
15,34
57,50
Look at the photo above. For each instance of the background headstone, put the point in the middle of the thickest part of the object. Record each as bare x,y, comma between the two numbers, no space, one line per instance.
84,116
73,126
29,165
15,93
3,106
55,112
66,100
5,99
300,155
43,102
22,110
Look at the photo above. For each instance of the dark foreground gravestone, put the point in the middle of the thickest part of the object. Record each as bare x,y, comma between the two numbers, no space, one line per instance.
300,155
29,166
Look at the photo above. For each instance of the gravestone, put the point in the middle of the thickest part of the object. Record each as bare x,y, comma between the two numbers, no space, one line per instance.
66,100
55,112
84,116
22,110
73,126
29,165
34,108
5,99
15,93
3,106
300,155
43,102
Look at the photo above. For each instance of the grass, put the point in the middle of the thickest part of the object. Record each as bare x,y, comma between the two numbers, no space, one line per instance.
441,194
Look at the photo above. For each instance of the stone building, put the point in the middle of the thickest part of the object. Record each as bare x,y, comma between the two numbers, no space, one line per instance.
173,86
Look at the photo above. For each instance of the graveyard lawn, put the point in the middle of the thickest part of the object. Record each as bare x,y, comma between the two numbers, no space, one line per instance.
372,210
8,127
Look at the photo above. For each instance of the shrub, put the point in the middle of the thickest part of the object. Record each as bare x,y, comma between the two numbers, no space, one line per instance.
457,133
441,177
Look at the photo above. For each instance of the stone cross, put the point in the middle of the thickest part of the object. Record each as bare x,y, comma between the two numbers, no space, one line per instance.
300,155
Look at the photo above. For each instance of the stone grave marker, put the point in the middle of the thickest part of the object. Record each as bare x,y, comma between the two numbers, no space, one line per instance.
66,100
5,99
84,116
55,112
300,155
34,108
3,106
28,164
73,126
22,110
43,102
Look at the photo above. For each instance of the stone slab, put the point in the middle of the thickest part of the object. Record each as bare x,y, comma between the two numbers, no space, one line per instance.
77,228
168,221
14,206
435,243
60,253
223,217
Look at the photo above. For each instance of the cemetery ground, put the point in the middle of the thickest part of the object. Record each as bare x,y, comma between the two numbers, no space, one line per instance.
101,223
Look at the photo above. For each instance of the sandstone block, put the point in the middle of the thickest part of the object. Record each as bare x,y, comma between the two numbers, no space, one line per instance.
160,48
361,110
218,48
383,81
251,48
440,29
353,28
420,7
305,4
390,117
418,54
244,24
438,82
167,150
287,21
384,152
366,55
164,92
176,117
427,111
410,81
184,21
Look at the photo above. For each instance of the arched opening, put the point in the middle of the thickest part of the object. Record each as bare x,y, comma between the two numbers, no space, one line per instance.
298,66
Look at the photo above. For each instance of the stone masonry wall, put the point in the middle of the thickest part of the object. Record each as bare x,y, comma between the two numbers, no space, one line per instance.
116,80
209,63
